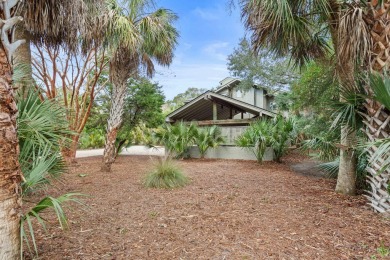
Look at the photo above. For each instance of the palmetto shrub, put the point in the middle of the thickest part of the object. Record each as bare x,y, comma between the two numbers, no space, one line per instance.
166,174
176,138
264,133
256,138
208,137
42,126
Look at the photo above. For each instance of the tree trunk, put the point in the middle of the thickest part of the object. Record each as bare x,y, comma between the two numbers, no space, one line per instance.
346,180
69,152
10,174
113,124
377,119
22,58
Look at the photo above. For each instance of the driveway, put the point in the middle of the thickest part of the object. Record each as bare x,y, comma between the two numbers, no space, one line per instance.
132,150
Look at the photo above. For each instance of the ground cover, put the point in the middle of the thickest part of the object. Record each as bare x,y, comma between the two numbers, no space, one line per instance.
230,210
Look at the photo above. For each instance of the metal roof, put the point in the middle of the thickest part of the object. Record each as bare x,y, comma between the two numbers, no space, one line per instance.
201,108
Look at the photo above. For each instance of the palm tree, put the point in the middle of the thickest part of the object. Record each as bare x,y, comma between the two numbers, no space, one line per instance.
359,35
379,148
364,39
54,22
138,38
302,28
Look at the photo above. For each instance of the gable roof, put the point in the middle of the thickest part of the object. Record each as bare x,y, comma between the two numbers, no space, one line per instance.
232,82
201,108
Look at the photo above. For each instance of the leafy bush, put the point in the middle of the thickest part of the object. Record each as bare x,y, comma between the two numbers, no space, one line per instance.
41,130
177,138
93,138
208,137
166,175
256,138
267,133
280,135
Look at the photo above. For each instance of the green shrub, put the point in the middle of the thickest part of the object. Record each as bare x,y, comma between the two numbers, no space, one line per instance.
265,133
42,126
280,135
166,174
256,138
177,138
92,138
208,137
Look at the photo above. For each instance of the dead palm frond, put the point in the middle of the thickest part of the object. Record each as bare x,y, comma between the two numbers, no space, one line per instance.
354,39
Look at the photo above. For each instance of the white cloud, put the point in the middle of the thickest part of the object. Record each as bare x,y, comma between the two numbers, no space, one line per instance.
217,50
207,14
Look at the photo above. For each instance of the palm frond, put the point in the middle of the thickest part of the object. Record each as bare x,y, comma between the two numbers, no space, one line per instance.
60,22
348,109
381,88
55,204
354,38
287,26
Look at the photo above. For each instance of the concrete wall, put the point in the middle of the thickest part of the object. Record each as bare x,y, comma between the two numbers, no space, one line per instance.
230,133
230,152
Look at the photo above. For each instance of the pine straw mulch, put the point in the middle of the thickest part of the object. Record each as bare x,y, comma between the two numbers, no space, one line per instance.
230,210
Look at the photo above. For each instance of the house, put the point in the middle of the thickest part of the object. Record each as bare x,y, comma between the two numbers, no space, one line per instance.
228,107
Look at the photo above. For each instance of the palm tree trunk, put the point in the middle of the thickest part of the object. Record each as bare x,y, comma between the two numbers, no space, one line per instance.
10,174
22,57
113,124
346,179
377,119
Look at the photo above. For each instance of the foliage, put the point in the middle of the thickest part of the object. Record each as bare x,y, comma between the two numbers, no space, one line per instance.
92,138
40,133
381,89
295,27
165,175
208,137
315,88
54,204
42,126
265,133
323,145
143,103
141,134
256,138
281,133
262,69
180,99
176,138
331,168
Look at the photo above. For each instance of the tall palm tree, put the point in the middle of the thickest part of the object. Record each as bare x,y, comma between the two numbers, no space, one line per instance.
302,28
138,38
360,35
364,39
54,22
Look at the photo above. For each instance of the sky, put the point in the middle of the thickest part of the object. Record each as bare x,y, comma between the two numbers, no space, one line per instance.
209,32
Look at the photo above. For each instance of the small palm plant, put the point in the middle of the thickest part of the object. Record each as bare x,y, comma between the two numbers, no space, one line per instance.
166,174
281,133
41,129
177,138
208,137
256,138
